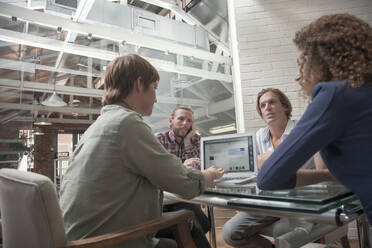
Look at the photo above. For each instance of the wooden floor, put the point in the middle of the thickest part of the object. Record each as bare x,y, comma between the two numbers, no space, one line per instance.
221,244
223,215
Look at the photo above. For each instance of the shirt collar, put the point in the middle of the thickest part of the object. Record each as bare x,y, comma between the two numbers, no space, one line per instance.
288,128
172,137
113,107
266,134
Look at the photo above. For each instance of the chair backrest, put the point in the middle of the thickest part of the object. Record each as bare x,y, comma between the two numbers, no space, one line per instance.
30,212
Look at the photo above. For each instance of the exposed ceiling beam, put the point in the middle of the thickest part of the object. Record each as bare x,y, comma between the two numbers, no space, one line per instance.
214,108
35,4
4,44
34,107
56,45
54,120
64,110
48,88
178,11
78,91
209,110
11,116
31,67
105,32
70,121
16,94
81,13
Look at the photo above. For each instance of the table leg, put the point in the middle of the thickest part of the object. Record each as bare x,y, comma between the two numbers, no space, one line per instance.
364,234
212,233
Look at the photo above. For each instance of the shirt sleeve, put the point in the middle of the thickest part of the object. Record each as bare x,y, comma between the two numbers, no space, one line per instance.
258,142
323,121
146,157
161,137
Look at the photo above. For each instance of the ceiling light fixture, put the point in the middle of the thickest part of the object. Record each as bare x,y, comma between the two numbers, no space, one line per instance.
74,103
37,131
54,101
223,129
82,65
42,121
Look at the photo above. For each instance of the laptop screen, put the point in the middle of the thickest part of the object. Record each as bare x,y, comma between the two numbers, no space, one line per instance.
234,153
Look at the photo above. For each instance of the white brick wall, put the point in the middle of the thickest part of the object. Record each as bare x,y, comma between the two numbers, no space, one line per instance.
267,54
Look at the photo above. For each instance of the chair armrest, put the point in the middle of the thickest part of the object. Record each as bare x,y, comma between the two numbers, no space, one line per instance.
177,220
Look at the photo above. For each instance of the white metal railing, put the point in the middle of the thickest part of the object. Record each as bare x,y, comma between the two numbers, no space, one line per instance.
60,167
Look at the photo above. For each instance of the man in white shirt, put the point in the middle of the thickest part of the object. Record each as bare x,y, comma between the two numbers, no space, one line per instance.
275,109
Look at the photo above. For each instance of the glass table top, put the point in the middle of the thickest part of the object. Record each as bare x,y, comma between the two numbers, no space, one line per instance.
315,193
316,198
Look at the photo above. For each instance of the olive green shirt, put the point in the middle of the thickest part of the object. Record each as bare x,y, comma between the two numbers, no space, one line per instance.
115,177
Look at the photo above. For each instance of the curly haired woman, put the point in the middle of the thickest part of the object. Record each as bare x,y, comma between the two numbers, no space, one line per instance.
335,71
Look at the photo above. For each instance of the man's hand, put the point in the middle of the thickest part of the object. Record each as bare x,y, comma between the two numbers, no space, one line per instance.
192,162
216,172
262,158
211,174
188,137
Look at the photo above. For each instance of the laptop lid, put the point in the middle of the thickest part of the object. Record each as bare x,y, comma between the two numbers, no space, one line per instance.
236,153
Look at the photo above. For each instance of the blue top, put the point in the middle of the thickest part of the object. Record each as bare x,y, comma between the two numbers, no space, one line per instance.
338,123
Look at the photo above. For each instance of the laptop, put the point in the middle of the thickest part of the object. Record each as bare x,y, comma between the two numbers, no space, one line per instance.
236,153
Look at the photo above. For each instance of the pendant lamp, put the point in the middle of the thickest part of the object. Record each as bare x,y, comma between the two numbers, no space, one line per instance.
54,101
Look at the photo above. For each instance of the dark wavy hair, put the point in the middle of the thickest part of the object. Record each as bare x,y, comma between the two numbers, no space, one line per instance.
341,46
282,98
121,74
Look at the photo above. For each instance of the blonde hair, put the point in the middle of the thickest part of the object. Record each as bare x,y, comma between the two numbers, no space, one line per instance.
180,107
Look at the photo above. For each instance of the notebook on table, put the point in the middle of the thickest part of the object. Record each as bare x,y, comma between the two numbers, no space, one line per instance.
236,153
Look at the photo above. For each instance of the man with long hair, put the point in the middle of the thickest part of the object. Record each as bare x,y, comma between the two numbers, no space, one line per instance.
275,109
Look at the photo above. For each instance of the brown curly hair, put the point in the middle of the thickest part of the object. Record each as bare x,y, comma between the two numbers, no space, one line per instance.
341,45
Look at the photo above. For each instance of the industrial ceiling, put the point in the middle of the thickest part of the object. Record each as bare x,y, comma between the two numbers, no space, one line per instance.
64,47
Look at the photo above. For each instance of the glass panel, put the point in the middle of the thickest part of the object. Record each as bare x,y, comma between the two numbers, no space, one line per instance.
314,194
64,145
292,206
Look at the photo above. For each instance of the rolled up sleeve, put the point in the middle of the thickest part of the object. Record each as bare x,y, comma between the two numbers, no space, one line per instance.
148,158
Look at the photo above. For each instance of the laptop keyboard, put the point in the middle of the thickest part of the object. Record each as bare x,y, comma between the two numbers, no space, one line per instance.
233,181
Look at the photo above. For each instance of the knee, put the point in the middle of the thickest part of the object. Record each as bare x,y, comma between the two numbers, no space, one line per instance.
228,232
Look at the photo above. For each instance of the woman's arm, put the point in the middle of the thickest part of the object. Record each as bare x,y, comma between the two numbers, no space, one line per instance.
309,176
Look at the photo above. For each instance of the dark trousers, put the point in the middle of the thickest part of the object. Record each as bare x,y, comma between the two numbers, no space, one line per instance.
196,229
203,220
166,243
